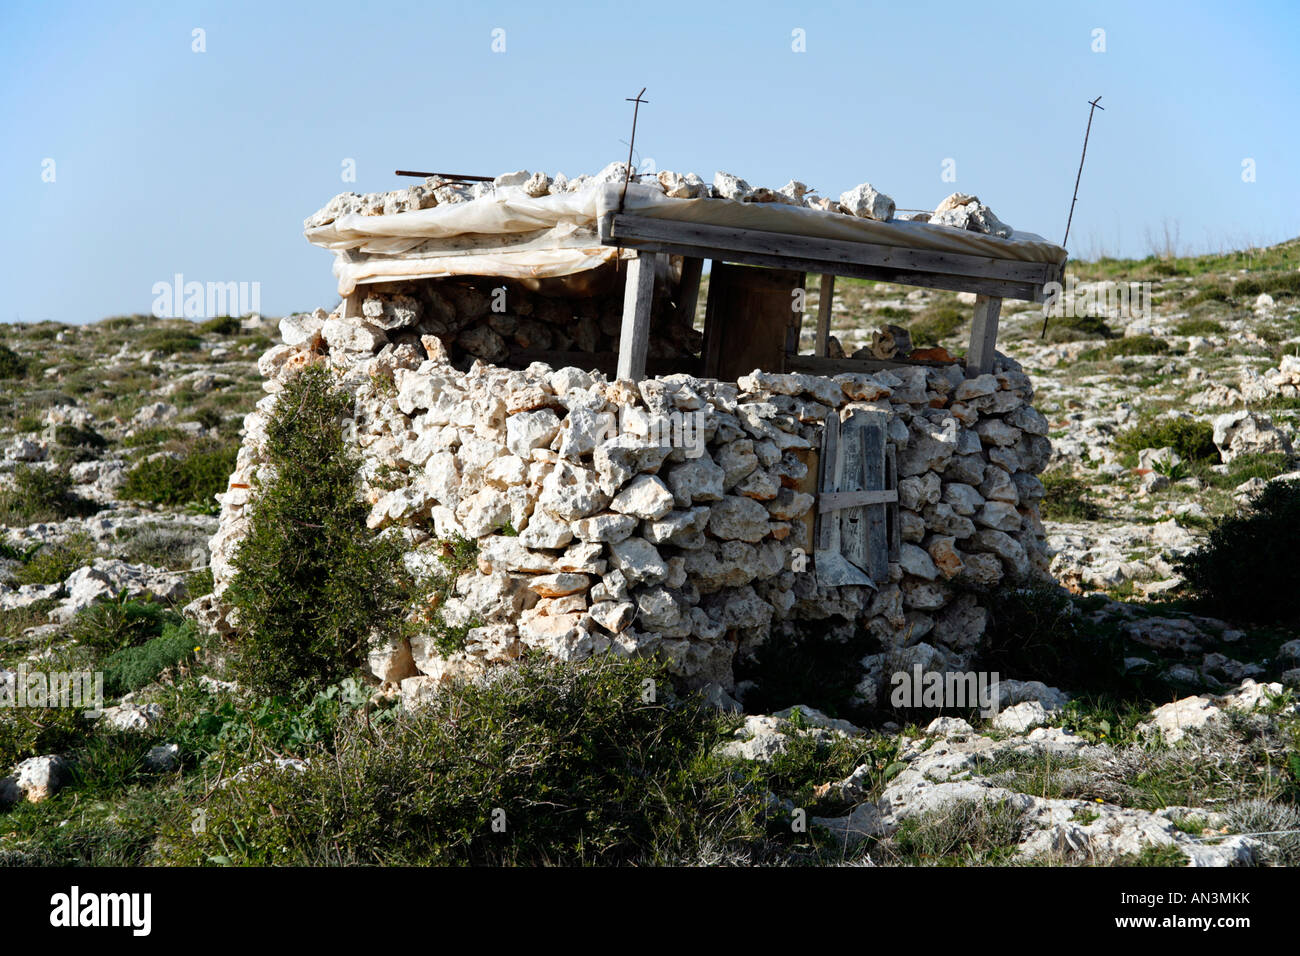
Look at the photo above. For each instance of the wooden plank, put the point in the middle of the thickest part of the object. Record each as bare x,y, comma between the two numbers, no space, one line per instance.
828,528
839,500
688,292
626,229
876,532
825,300
931,280
748,318
352,305
852,475
796,321
637,299
713,320
983,335
893,521
833,569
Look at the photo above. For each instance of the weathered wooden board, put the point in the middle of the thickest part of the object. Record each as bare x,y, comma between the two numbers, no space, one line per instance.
747,319
983,335
634,338
825,302
855,497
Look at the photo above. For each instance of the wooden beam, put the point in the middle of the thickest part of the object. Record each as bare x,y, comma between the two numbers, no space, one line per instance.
825,299
688,294
839,500
713,322
795,331
637,299
983,335
627,228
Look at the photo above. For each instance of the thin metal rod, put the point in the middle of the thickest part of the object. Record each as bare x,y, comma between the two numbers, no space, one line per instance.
631,145
451,177
1079,176
1093,107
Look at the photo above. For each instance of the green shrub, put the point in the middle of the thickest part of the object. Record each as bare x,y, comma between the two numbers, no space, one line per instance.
130,668
153,435
1247,569
53,563
73,437
1275,284
549,763
1066,498
203,471
12,365
1191,438
1036,633
171,340
110,626
1075,328
965,831
1128,345
41,494
312,584
1199,327
936,324
221,325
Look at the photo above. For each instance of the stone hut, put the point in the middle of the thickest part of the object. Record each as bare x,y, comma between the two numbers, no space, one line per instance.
528,374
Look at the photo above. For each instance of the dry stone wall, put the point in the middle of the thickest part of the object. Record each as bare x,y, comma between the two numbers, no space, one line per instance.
671,516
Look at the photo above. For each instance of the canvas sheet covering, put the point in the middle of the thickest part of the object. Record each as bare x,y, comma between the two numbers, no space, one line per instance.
554,235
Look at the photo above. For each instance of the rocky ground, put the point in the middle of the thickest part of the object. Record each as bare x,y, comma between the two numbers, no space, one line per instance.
115,435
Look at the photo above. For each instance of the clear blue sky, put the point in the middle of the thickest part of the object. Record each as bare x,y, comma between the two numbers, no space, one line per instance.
169,161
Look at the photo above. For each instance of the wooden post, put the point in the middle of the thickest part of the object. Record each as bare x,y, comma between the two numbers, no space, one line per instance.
824,299
637,299
689,291
983,335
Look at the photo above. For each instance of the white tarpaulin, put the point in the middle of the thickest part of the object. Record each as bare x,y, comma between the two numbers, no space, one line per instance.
513,235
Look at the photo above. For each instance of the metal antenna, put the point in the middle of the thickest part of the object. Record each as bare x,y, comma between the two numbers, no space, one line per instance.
1093,107
632,145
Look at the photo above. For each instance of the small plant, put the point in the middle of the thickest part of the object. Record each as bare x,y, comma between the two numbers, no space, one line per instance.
1199,327
53,563
221,325
12,365
41,494
113,625
1066,498
1247,568
964,831
171,340
1173,470
1128,345
130,668
197,475
1191,438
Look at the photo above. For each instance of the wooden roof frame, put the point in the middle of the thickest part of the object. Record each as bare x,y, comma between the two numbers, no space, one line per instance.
991,279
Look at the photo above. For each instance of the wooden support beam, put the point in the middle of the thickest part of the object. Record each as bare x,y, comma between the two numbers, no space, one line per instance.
689,292
983,335
825,299
839,500
637,299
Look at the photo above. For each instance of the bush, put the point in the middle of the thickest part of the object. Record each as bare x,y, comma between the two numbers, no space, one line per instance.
1035,633
549,763
1276,284
1066,498
12,365
1247,569
53,563
111,626
936,324
1191,438
171,340
41,494
973,831
1199,327
1076,328
1128,345
196,476
312,583
130,668
72,437
221,325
